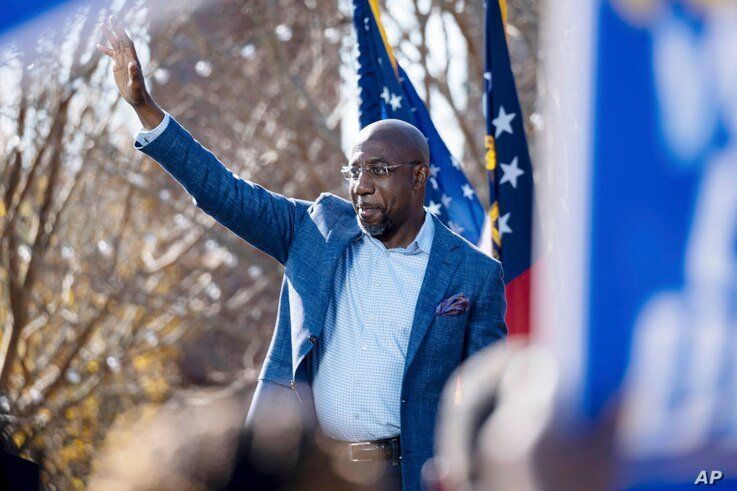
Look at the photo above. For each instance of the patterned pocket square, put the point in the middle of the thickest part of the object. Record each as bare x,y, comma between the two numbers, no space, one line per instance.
454,305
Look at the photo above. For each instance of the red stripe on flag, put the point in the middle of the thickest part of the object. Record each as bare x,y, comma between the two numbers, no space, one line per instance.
518,304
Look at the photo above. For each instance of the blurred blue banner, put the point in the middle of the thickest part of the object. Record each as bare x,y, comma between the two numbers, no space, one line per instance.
662,310
15,12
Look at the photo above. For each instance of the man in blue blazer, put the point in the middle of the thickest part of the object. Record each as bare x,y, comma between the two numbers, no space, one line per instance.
380,302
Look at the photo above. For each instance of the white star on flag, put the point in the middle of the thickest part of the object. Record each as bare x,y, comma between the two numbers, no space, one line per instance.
434,169
395,102
456,163
511,173
446,200
454,227
467,191
503,122
487,76
433,208
434,183
504,225
385,94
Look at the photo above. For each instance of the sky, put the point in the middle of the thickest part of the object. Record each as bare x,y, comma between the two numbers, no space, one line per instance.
29,18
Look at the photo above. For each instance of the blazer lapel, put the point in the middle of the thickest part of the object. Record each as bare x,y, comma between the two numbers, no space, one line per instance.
337,240
440,270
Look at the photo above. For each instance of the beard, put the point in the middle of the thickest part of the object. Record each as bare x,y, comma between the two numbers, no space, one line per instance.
376,229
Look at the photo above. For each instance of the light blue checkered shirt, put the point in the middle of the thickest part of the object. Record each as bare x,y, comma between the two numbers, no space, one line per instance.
357,379
357,382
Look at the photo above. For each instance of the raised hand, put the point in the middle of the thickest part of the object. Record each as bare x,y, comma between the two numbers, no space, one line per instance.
126,67
128,74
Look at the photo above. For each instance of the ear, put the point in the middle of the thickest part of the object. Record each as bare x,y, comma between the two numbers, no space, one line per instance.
420,175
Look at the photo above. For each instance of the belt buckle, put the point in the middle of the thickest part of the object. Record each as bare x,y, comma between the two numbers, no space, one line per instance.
360,446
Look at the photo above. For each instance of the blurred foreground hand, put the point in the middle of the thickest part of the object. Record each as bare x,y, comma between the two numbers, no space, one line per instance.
186,444
500,429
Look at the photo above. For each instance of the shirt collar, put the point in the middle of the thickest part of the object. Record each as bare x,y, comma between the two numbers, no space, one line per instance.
426,234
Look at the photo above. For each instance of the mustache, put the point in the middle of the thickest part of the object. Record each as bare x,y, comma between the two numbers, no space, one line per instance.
367,206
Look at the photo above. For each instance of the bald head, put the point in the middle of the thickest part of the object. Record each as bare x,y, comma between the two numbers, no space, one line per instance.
389,205
407,142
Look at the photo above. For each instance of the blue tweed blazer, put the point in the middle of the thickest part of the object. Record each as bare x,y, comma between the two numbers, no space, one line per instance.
308,238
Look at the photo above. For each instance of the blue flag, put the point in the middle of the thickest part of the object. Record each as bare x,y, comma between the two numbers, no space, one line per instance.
386,92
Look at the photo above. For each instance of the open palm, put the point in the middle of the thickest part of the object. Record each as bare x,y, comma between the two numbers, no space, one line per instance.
126,67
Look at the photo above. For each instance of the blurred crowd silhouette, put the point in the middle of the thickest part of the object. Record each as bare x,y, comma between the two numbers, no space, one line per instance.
498,429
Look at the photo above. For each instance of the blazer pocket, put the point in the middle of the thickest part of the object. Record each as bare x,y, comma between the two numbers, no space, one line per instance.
452,321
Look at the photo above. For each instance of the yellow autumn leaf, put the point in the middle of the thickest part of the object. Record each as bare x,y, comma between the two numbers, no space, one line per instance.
141,362
68,297
19,438
93,366
70,453
91,404
44,414
155,390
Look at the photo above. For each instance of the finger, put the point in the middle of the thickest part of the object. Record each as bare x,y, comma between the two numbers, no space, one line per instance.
118,28
119,32
105,50
125,39
118,46
109,35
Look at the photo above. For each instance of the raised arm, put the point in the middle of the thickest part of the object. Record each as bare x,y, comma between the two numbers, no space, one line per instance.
266,220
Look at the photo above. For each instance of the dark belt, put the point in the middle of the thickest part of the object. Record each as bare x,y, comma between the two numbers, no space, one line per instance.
388,449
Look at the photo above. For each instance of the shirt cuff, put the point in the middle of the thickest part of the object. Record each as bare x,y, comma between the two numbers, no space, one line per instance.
144,137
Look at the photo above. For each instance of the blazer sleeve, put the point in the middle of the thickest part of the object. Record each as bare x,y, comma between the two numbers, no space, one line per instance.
266,220
486,323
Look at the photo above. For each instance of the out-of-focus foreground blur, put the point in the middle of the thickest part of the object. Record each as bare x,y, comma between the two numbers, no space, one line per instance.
120,302
133,326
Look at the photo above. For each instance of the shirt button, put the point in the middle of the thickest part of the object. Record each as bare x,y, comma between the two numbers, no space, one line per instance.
364,347
372,317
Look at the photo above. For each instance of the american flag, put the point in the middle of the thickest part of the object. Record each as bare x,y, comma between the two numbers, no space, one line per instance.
386,92
510,173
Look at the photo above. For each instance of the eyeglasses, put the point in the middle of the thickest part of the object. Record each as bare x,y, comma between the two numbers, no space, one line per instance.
375,170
